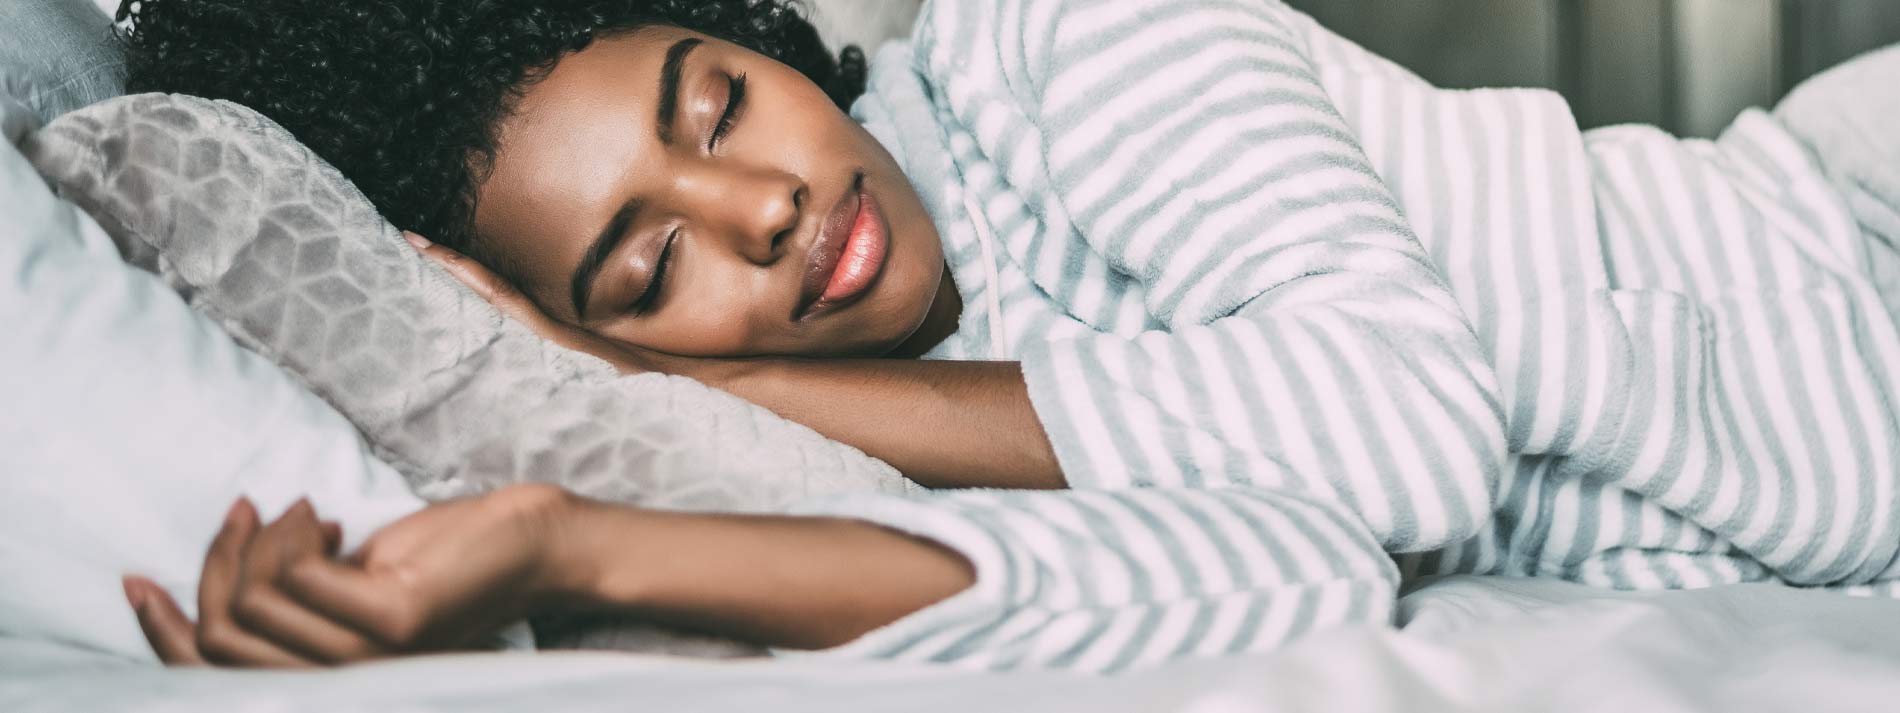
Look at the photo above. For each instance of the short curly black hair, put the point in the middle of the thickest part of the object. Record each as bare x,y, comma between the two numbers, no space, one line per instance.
404,96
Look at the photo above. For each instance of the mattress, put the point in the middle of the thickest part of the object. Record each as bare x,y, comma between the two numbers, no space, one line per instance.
1469,644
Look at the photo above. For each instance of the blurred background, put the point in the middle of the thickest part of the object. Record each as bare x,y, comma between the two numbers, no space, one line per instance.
1686,65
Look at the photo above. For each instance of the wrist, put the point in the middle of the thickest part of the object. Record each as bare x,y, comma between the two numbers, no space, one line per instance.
575,552
728,375
796,582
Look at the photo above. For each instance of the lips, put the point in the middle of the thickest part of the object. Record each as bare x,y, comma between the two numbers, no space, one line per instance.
847,256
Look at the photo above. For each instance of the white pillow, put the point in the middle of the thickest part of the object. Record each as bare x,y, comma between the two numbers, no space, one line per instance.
128,425
865,23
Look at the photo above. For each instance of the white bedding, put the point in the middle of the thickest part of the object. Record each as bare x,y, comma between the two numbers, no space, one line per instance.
1473,644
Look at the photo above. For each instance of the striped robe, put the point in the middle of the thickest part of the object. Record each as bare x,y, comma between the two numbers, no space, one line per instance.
1300,325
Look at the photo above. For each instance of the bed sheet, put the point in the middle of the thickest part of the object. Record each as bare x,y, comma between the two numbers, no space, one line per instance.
1470,644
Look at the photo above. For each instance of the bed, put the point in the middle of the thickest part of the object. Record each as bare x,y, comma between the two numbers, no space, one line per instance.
1471,644
66,644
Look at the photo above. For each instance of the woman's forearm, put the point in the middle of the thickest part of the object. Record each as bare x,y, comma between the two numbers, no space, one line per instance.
785,582
944,424
805,582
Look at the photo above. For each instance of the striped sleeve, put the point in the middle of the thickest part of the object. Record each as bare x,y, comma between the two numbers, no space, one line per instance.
1314,399
1310,344
1102,581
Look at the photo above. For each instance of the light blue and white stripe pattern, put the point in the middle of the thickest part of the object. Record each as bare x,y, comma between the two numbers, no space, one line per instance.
1284,309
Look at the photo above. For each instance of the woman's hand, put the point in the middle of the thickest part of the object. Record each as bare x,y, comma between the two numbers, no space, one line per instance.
516,305
442,578
457,571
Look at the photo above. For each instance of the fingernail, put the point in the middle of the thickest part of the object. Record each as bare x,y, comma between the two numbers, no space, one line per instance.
135,591
236,512
415,240
242,511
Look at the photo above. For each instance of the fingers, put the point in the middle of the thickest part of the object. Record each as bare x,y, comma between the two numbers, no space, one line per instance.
246,619
332,537
167,629
365,601
220,638
487,285
262,608
287,623
223,560
517,306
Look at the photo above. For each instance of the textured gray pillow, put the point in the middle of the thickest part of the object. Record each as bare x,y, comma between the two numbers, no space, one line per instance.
294,262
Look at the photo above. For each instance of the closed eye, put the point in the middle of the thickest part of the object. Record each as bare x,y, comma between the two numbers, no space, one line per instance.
652,293
735,100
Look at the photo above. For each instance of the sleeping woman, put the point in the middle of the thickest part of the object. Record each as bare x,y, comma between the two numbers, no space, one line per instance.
1207,328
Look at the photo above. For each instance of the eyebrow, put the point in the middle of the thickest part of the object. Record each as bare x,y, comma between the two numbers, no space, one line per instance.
670,74
615,232
604,244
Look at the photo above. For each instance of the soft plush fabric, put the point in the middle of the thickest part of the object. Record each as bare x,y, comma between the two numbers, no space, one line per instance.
1281,305
865,23
129,423
290,259
1846,116
57,55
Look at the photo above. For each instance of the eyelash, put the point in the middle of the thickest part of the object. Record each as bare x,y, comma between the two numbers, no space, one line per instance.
735,97
652,293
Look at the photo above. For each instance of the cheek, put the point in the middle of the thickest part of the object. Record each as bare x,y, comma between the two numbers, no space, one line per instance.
699,321
720,323
919,274
917,248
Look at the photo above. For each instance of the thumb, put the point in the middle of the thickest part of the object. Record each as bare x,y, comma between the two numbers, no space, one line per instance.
172,635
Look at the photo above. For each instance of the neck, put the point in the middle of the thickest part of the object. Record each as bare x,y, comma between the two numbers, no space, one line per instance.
939,323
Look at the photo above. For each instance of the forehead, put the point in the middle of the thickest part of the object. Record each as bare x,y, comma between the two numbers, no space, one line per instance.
567,151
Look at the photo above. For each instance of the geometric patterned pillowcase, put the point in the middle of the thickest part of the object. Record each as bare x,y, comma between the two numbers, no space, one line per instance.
276,246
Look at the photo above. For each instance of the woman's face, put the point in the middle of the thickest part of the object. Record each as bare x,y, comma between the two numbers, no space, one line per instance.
676,192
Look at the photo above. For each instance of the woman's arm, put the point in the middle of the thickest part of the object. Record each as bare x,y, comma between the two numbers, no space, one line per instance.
942,424
276,595
1059,579
778,581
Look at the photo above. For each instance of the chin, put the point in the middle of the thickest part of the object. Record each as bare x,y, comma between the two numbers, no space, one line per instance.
878,330
880,341
915,316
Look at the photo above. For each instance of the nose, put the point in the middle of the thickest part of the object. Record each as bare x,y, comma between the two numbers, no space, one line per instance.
756,211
